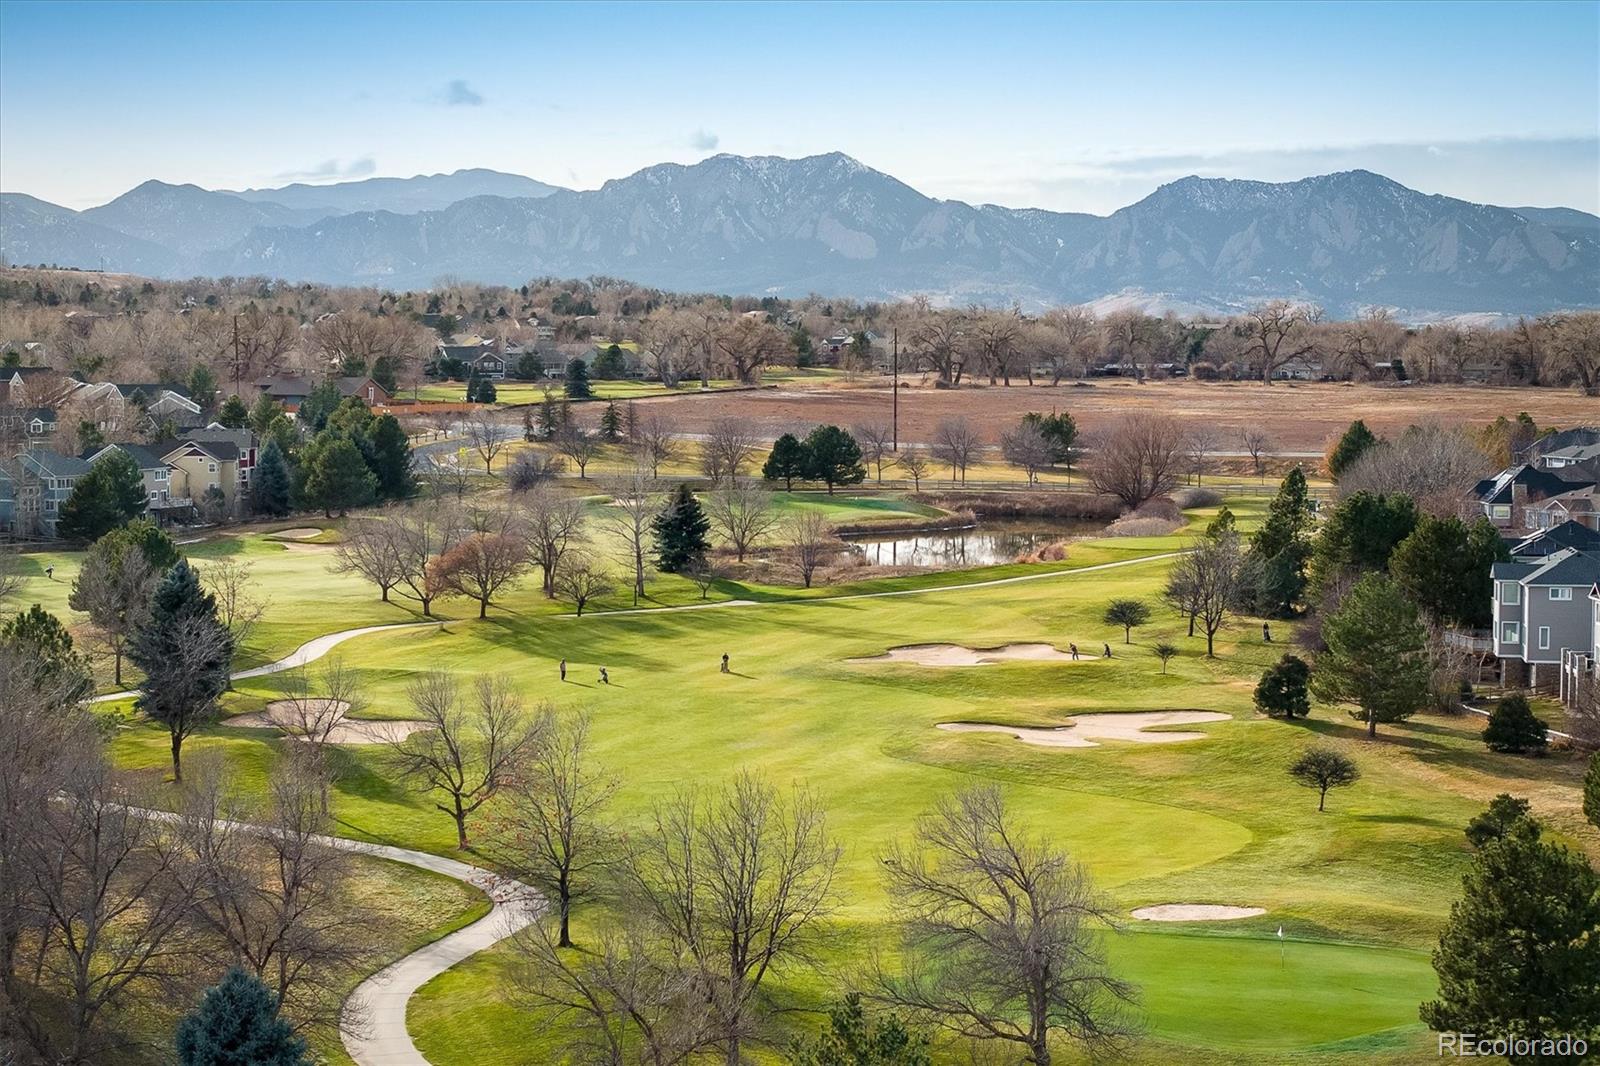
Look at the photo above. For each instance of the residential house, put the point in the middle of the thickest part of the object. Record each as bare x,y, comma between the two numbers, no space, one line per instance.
289,390
1555,442
1580,505
198,466
366,390
35,386
1541,611
481,356
43,481
1549,540
1580,667
156,473
161,402
1504,498
243,441
1572,455
487,364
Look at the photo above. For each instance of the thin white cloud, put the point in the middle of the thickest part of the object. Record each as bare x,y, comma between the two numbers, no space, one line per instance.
331,170
704,141
457,93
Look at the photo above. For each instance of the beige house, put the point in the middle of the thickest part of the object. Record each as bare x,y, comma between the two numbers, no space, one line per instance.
198,466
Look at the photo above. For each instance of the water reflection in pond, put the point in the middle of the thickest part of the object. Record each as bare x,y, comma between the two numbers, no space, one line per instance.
986,544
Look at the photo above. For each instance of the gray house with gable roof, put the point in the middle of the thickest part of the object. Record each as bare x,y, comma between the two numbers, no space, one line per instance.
1542,610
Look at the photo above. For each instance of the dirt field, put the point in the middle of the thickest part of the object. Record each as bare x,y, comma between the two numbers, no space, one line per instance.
1298,417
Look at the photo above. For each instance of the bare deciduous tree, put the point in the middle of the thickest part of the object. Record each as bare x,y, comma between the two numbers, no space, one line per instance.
938,345
553,521
728,447
114,591
875,439
955,443
1200,441
736,881
915,462
492,553
552,830
811,540
747,344
1138,458
582,580
1003,933
743,513
1025,447
1432,464
1279,331
11,579
420,535
578,444
485,435
996,338
634,503
653,441
467,752
1257,445
1211,578
371,549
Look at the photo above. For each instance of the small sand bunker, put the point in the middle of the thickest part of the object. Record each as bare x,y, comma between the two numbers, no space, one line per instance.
298,533
1195,912
282,715
1085,729
956,655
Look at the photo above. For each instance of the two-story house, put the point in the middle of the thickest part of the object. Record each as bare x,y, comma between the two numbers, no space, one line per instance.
43,481
243,441
198,466
1541,610
156,473
1505,498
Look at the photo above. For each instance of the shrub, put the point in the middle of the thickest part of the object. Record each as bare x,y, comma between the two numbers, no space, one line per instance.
1514,729
1284,689
1204,372
1134,526
1160,507
1196,497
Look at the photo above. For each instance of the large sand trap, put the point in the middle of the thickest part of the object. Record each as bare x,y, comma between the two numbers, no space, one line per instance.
956,655
280,714
1195,912
298,533
1085,729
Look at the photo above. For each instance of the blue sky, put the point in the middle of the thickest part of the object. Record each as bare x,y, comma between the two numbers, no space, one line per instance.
1070,107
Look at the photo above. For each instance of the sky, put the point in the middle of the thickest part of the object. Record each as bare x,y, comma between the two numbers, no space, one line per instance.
1071,107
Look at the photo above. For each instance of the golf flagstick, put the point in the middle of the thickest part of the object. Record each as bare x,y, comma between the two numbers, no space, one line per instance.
1281,948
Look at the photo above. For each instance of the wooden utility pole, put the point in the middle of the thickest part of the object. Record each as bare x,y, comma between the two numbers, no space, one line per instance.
236,355
894,406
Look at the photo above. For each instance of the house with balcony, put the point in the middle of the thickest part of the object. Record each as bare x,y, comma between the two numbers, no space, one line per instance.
200,466
41,482
1542,611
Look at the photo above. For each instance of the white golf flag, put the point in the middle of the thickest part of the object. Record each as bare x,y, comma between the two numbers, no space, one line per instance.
1280,932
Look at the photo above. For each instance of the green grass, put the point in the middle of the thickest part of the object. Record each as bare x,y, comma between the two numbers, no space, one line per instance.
508,393
1361,889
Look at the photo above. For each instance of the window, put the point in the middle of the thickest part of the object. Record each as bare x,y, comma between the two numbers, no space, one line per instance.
1510,592
211,467
1544,638
1501,510
1510,632
1558,592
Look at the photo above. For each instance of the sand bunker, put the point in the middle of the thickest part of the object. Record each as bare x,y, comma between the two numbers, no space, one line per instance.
281,715
1085,729
1195,912
298,533
956,655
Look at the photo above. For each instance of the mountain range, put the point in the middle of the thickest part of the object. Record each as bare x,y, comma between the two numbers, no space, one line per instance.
831,225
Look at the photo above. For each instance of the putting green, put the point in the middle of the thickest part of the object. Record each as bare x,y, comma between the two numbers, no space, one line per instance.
1255,993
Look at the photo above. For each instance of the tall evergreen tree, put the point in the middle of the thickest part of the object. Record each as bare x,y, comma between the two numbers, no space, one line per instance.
1444,566
318,406
263,412
40,637
334,476
1519,956
680,530
1355,443
1360,535
390,456
577,381
236,1024
1281,547
271,482
1376,657
611,422
833,457
788,461
109,495
234,414
185,652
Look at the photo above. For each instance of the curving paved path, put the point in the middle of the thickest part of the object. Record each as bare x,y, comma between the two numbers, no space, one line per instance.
373,1026
310,651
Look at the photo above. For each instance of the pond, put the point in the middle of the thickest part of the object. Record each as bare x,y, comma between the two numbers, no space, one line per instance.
999,540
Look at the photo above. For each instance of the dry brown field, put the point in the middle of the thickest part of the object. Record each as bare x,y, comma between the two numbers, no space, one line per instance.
1297,417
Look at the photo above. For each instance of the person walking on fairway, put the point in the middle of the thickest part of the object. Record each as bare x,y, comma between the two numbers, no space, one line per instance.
563,669
724,662
50,572
1266,632
605,678
1108,651
1074,648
